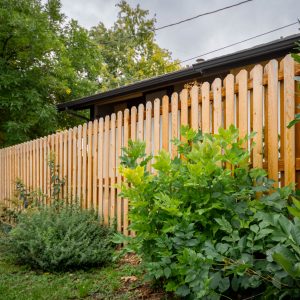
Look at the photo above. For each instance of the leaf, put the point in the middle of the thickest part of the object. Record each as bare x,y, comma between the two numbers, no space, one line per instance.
235,283
296,202
254,228
167,272
295,121
224,284
294,211
285,224
225,225
162,162
286,260
183,291
222,248
263,233
192,242
191,276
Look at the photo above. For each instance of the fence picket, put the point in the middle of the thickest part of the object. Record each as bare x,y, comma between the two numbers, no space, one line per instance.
272,117
241,79
79,162
84,164
257,76
205,107
156,125
165,123
229,100
69,174
217,104
74,165
194,107
100,168
65,164
133,123
125,144
95,164
289,114
174,108
148,130
89,165
184,107
140,133
106,171
112,162
119,177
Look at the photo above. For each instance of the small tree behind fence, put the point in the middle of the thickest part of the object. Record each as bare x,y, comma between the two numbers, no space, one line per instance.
263,100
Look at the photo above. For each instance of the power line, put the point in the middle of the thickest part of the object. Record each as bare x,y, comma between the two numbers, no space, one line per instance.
179,22
201,15
240,42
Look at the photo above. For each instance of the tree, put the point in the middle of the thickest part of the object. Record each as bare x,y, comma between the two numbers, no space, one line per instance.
43,61
129,49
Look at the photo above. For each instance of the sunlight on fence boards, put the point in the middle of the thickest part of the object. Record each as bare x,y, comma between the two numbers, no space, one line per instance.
263,100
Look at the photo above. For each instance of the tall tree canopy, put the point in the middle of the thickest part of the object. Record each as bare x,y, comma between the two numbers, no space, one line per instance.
45,60
129,49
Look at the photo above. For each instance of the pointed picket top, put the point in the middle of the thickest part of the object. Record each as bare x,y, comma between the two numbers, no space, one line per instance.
174,122
156,127
229,100
194,107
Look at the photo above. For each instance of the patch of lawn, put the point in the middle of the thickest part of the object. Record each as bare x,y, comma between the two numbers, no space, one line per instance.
21,283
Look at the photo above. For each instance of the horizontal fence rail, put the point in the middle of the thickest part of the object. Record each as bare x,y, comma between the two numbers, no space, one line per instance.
263,100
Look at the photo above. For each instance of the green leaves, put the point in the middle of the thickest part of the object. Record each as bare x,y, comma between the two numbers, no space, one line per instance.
128,48
59,240
162,162
45,60
203,230
225,225
295,210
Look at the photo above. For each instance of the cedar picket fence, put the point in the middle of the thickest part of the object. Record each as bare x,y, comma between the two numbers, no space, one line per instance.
264,101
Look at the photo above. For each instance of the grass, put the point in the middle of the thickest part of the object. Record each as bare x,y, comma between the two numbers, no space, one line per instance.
21,283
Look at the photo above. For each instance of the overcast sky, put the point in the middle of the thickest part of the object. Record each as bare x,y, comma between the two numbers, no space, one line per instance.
203,34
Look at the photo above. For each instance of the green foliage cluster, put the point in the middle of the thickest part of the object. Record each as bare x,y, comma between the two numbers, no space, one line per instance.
129,48
59,239
46,59
207,226
58,236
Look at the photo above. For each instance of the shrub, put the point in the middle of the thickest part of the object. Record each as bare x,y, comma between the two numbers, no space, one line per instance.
56,236
207,225
60,238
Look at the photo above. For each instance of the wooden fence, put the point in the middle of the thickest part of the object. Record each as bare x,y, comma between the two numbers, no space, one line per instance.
263,101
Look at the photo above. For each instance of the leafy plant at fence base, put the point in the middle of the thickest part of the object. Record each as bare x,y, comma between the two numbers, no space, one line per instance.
26,199
207,225
60,239
55,235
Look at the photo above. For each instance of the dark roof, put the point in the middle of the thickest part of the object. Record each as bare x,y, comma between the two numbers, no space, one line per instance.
209,67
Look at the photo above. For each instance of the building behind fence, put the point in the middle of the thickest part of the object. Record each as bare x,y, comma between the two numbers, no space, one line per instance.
264,101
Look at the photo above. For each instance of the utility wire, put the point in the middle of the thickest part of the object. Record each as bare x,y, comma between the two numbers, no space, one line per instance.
240,42
201,15
180,22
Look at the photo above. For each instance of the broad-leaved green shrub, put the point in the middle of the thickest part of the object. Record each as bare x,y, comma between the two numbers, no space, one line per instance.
60,238
207,225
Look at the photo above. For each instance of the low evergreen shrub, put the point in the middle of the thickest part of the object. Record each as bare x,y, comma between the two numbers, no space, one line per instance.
60,238
57,236
207,225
